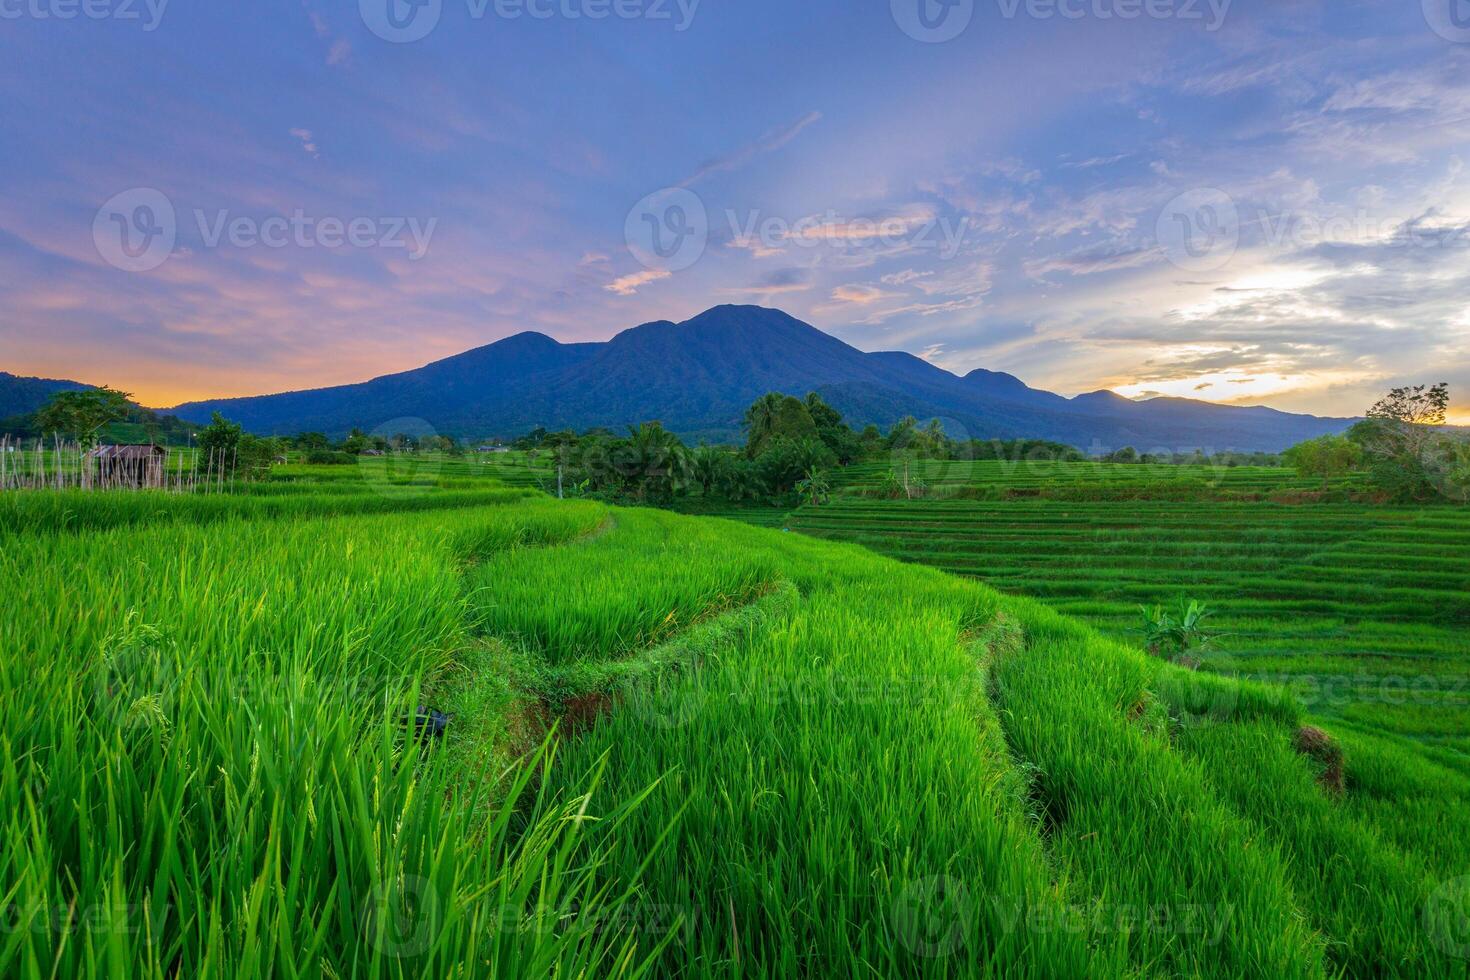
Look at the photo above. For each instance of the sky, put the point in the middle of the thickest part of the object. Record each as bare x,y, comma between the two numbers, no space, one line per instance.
1245,202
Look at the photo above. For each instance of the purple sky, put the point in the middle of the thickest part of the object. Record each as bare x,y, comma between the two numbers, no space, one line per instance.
1238,201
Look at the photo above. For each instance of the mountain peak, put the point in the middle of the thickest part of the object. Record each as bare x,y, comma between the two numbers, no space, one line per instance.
997,380
699,376
1104,396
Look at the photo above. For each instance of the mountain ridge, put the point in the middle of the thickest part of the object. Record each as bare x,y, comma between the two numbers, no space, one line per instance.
698,376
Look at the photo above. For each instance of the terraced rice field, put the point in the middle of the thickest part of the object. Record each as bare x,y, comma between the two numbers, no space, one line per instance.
676,747
1025,477
1363,610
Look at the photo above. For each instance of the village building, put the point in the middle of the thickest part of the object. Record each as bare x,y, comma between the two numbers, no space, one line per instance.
128,466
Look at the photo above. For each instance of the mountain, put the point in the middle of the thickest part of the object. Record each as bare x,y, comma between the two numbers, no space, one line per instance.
697,377
20,396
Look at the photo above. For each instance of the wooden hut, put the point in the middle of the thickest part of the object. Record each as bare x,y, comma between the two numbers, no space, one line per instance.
128,466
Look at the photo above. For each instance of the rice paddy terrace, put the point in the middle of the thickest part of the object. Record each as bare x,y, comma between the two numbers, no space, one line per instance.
675,746
1362,609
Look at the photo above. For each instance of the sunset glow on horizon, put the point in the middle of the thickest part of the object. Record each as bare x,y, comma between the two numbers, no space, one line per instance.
364,206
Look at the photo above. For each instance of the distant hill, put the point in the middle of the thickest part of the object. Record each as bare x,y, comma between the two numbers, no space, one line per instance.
20,396
697,377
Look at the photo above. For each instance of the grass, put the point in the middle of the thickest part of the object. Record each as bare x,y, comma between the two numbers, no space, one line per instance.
1362,609
685,746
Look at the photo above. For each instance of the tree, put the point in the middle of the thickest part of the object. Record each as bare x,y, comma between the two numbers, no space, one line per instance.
903,435
254,456
565,447
738,480
1448,467
83,413
708,465
1326,456
824,416
760,422
651,464
933,443
312,440
843,442
814,486
1403,441
786,461
774,416
219,444
1420,406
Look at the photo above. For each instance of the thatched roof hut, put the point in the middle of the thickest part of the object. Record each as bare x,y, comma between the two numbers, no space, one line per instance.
131,466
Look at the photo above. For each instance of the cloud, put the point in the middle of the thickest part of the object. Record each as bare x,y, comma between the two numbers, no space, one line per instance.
905,277
973,279
1104,258
757,248
769,142
339,53
630,284
925,309
1092,162
862,295
792,280
890,224
308,144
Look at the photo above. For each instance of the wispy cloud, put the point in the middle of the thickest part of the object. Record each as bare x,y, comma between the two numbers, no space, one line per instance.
308,143
779,282
860,294
770,141
630,284
1104,258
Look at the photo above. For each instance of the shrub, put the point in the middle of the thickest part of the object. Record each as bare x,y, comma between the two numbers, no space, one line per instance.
1177,635
329,457
1326,456
1320,747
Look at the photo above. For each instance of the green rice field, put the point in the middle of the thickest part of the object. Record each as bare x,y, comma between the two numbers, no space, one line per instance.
686,746
1363,610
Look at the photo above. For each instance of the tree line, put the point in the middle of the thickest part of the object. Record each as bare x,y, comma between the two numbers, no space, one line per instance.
791,448
1403,447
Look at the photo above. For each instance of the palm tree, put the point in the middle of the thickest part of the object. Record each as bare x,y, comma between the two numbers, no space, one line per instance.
738,481
761,420
660,464
706,463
